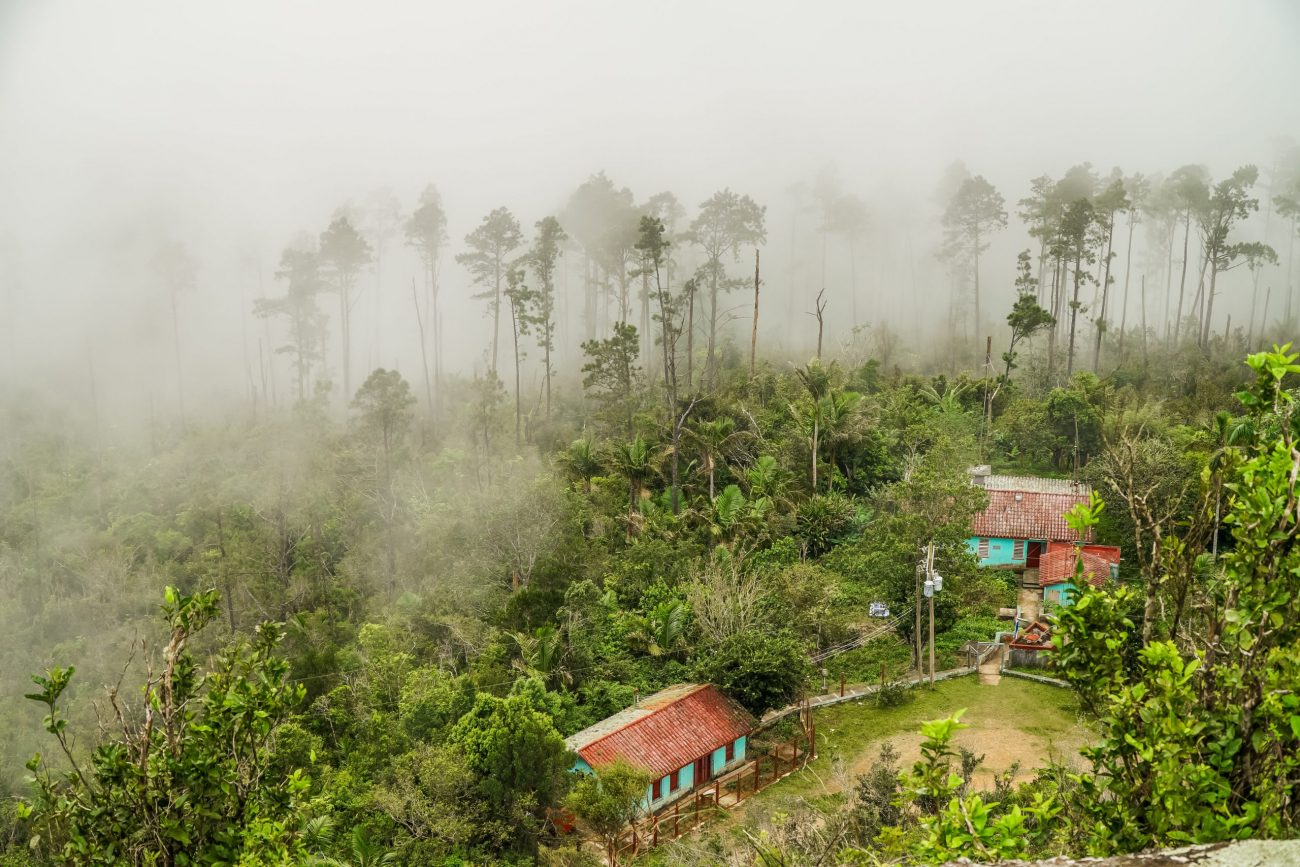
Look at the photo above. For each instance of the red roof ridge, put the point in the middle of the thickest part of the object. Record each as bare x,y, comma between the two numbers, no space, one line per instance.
641,705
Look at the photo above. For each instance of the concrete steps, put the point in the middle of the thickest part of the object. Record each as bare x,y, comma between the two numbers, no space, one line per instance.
990,670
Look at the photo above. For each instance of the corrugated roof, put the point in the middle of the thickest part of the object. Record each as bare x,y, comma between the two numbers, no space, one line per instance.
1034,484
1029,515
665,731
1057,566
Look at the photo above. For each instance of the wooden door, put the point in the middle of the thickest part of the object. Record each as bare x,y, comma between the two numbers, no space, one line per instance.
1033,552
703,769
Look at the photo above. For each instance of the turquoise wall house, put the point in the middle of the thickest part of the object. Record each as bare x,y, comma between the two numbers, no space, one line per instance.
683,736
1000,551
662,791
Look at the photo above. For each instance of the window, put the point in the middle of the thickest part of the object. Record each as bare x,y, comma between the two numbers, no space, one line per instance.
674,781
1018,550
731,752
983,548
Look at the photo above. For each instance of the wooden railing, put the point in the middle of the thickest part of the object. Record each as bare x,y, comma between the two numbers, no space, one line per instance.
697,806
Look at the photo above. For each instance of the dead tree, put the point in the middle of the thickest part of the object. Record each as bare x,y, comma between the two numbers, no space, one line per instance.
821,308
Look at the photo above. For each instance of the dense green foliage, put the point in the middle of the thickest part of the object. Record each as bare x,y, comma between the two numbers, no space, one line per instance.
451,606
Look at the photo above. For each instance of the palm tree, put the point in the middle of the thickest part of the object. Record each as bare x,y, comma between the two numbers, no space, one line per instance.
663,629
714,439
582,462
817,382
732,513
636,462
840,421
767,480
365,853
728,512
539,653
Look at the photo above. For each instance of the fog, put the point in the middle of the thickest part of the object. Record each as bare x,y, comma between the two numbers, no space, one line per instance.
236,128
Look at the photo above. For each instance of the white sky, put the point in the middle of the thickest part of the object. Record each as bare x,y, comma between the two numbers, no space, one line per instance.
253,120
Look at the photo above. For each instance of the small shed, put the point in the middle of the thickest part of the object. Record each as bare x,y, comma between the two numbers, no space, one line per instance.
1056,574
683,736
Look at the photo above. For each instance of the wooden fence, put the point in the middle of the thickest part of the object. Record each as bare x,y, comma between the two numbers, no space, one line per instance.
697,806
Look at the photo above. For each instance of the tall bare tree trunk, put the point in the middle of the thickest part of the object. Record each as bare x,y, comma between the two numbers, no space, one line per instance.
1105,295
821,308
514,330
1128,271
176,346
690,335
424,354
1144,319
343,339
496,309
1074,309
1290,271
753,334
711,361
977,283
1182,282
1169,278
1209,304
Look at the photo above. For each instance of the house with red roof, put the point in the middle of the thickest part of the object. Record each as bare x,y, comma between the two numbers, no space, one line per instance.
1024,515
683,736
1024,529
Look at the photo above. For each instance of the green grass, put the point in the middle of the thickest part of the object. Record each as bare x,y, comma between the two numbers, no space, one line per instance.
853,732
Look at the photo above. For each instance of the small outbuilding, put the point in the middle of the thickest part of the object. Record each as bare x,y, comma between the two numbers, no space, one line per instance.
684,736
1057,571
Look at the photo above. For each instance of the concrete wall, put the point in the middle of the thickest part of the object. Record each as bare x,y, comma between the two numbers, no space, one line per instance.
685,776
1001,552
718,758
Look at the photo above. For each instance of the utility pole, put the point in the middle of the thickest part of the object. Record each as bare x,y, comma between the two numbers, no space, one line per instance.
929,580
920,668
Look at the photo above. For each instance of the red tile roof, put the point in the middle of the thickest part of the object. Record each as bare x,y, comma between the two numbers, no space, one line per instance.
665,731
1028,515
1057,566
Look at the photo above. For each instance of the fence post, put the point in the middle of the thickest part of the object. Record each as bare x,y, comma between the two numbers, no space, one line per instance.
677,806
841,684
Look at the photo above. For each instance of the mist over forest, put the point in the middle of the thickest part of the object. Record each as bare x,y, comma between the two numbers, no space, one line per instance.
454,375
237,132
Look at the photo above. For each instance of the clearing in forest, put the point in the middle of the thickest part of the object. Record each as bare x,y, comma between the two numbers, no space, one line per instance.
1015,721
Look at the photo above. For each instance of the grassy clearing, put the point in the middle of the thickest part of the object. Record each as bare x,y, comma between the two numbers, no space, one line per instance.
1015,721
